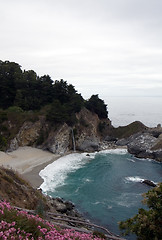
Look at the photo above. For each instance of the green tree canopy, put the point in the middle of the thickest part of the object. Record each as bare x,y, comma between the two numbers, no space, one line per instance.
28,91
97,105
10,72
147,224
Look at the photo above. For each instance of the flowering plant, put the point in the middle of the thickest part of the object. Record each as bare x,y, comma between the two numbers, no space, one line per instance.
16,225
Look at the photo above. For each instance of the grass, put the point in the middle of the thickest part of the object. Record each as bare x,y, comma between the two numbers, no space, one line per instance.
18,191
127,131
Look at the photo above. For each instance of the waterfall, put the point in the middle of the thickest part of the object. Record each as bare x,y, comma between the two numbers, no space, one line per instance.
73,139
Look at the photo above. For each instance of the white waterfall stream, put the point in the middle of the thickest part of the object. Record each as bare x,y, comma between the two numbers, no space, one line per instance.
73,139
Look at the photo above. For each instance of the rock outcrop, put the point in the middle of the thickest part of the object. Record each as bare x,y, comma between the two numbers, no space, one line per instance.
89,134
60,138
27,135
146,144
149,183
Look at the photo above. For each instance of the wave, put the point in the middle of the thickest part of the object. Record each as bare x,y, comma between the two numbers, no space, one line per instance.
134,179
131,160
119,151
128,199
54,174
86,180
103,204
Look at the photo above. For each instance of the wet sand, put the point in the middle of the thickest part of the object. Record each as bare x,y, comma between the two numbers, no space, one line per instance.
29,162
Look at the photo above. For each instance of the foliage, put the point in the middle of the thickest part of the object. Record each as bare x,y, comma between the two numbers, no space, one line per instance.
127,131
16,225
61,111
147,223
57,113
97,105
15,109
28,91
3,142
3,116
10,72
101,127
99,234
22,91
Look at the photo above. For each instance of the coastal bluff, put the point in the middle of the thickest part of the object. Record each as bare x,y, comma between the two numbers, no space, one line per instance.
90,133
145,144
87,134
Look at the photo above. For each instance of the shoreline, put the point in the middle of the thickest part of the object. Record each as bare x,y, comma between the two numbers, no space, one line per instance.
33,176
28,162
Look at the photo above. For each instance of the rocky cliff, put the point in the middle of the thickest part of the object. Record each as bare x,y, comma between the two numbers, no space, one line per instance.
145,144
86,135
89,133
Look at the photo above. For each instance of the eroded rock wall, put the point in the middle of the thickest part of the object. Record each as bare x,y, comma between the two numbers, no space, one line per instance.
60,138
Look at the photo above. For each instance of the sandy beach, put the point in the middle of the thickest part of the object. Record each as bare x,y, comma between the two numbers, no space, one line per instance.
28,161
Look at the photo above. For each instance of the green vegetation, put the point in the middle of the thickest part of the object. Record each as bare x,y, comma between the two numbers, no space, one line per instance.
101,127
96,105
25,91
15,224
3,143
24,96
19,192
147,223
127,131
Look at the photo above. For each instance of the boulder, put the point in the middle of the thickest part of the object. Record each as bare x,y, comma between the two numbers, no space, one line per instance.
157,155
88,145
141,145
148,182
59,205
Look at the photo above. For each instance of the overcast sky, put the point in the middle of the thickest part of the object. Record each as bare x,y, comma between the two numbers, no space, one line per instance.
110,47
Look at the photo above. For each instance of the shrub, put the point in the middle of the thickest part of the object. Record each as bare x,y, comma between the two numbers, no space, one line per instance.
20,225
147,223
3,142
15,109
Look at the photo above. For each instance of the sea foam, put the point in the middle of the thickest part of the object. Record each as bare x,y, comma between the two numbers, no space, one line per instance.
134,179
54,174
119,151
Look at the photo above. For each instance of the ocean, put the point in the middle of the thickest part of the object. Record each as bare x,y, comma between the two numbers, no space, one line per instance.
124,110
105,186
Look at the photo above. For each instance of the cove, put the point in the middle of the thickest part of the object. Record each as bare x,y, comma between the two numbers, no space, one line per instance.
105,187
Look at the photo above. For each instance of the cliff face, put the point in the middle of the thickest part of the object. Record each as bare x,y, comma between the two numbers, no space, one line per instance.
90,133
85,135
145,144
27,135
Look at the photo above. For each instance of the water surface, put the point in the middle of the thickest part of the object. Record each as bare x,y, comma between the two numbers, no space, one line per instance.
106,186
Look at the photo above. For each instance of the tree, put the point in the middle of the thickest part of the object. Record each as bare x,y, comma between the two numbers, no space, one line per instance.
10,72
57,113
62,91
97,105
147,224
46,89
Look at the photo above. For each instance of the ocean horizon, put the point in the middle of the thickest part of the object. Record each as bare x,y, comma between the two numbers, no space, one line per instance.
122,110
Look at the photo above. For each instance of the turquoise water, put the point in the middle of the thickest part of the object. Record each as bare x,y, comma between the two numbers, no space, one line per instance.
106,187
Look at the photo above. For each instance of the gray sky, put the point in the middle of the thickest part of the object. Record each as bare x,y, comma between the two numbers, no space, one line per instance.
110,47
